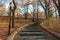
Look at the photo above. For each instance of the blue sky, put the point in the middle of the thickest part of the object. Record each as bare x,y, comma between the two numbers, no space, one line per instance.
6,2
30,7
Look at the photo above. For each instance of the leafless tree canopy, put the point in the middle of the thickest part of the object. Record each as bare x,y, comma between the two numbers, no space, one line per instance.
49,6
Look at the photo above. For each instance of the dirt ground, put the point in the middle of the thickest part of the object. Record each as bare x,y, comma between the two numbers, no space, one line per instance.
4,26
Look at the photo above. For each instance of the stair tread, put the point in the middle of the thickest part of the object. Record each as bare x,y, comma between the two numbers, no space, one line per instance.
26,30
30,39
31,33
30,30
36,37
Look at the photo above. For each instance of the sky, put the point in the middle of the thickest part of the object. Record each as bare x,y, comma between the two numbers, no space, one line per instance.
6,2
22,10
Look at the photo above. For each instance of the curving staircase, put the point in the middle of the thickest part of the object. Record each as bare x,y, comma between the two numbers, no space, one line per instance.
32,33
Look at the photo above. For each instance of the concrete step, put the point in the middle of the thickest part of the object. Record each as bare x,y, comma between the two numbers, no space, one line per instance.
26,30
34,37
31,33
31,38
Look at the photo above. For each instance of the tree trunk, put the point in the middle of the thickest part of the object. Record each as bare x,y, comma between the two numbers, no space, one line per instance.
13,11
12,19
25,16
44,8
9,21
46,14
59,7
59,11
33,17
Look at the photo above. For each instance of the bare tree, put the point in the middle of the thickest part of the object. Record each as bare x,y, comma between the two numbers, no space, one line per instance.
57,5
44,5
9,20
13,11
33,19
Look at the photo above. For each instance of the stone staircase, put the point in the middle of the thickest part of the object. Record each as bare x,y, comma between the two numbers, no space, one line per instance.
32,33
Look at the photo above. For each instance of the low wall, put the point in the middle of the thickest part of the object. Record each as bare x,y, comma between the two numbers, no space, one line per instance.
12,36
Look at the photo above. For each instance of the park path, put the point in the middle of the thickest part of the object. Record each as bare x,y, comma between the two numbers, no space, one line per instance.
32,33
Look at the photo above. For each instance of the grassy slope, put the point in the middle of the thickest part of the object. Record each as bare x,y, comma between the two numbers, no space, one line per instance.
53,24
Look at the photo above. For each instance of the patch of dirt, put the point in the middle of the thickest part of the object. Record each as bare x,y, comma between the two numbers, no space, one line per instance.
4,22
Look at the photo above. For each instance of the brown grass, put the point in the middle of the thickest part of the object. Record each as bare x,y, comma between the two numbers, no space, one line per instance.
53,24
4,22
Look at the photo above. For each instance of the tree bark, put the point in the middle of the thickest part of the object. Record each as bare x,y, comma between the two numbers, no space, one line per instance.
33,19
44,9
13,11
25,16
9,21
58,6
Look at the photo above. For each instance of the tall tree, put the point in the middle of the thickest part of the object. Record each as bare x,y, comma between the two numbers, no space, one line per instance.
13,11
44,7
26,16
33,19
9,20
57,5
